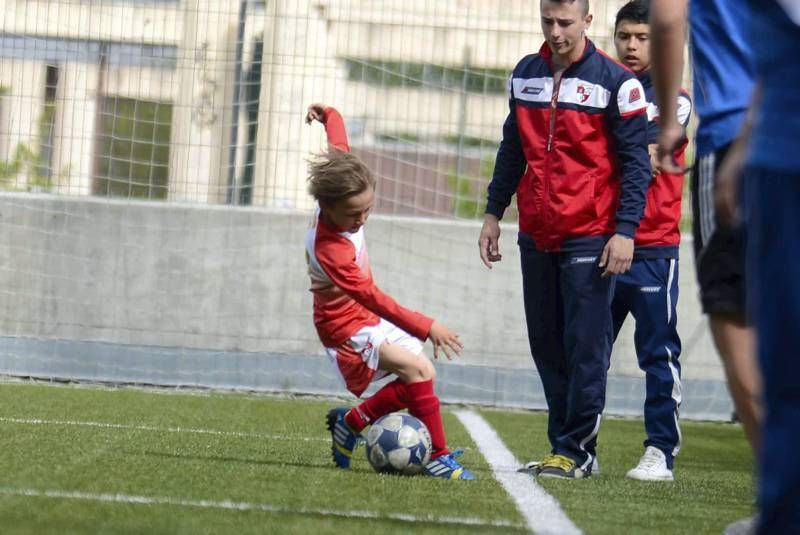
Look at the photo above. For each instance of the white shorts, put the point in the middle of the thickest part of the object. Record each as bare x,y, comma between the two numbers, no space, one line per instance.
356,360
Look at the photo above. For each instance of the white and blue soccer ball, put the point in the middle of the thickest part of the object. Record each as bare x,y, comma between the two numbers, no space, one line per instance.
398,443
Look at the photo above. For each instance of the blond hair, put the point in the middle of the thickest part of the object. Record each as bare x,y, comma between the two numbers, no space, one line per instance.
337,175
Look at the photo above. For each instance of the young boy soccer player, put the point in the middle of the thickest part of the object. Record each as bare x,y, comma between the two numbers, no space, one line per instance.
366,334
649,291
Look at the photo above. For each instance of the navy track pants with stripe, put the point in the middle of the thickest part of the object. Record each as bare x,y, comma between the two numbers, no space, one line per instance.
649,293
568,315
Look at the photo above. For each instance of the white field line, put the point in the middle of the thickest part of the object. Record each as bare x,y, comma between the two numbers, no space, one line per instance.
129,499
541,511
107,425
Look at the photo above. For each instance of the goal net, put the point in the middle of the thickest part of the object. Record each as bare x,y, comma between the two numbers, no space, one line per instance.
153,201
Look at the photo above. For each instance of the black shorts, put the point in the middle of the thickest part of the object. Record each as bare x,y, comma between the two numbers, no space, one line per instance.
718,250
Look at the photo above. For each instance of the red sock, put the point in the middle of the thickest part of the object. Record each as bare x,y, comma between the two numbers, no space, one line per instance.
423,404
390,398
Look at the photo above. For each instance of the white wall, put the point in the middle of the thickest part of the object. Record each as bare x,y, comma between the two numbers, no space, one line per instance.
217,278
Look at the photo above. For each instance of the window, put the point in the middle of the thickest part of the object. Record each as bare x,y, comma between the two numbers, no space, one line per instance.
56,50
426,76
132,154
47,125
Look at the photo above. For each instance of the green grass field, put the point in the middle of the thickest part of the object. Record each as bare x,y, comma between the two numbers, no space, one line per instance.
98,460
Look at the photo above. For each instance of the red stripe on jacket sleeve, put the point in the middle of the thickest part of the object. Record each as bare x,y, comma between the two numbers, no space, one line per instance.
632,113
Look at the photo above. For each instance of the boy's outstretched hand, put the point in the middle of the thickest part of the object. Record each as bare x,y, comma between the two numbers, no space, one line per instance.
316,112
443,338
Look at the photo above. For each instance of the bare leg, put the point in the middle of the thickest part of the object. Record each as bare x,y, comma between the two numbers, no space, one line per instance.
736,343
410,368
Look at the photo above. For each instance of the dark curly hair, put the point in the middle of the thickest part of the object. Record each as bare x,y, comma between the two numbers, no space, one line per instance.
636,10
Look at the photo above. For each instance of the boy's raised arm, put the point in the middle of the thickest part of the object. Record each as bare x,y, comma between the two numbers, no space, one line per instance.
334,125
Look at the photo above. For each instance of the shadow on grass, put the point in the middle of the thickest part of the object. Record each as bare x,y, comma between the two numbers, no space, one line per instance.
231,459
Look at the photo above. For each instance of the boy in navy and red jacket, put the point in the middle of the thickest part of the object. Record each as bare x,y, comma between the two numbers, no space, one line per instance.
649,291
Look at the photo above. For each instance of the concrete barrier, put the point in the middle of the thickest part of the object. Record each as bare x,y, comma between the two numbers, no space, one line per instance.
146,289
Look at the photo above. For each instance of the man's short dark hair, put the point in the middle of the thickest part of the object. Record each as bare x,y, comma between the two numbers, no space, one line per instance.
583,3
636,10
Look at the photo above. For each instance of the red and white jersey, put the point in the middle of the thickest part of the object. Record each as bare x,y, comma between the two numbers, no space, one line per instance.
346,298
660,225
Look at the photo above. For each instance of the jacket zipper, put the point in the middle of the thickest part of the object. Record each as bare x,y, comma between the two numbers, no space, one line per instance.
553,108
550,136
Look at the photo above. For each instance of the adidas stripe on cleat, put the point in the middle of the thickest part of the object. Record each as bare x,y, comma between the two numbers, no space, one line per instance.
343,439
447,467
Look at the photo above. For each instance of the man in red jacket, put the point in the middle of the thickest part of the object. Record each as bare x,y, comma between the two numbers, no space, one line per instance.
574,150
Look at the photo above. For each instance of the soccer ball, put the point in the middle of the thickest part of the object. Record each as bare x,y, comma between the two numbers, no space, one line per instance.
398,443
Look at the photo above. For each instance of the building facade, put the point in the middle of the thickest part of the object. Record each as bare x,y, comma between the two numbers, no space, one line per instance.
203,100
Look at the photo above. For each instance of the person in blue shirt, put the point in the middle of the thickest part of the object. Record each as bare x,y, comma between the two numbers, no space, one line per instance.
772,224
771,210
723,74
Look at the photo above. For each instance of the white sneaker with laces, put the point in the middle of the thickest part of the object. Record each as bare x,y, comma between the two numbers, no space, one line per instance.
652,467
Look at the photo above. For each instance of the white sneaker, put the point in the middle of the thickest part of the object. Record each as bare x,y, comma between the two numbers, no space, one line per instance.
745,526
652,467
